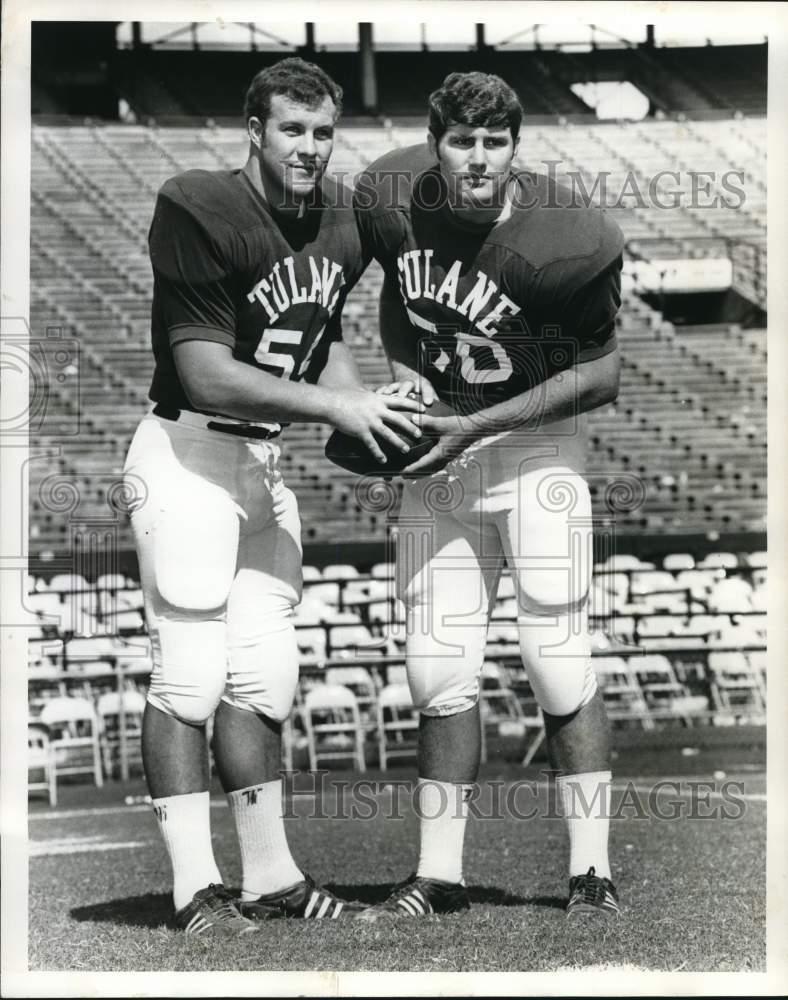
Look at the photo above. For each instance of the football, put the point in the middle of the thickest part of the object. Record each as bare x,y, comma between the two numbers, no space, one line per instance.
352,454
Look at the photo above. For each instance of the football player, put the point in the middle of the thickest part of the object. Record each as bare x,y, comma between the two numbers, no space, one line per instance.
497,310
251,269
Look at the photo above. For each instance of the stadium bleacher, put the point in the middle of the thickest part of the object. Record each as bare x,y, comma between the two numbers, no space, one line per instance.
690,418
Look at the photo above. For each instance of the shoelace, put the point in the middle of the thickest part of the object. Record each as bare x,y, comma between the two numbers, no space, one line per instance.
221,904
592,888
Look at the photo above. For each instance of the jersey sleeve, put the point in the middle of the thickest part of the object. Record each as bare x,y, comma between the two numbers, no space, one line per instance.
194,290
590,316
381,225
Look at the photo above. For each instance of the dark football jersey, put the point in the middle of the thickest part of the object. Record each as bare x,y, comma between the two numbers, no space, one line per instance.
227,270
498,309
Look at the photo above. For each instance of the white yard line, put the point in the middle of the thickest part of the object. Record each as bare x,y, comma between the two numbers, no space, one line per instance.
48,848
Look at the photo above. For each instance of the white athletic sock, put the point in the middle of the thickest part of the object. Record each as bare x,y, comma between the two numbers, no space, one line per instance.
185,824
266,861
443,810
585,805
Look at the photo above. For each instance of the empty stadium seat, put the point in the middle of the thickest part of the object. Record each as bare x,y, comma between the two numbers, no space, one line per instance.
73,728
334,729
621,692
41,772
120,718
397,723
736,689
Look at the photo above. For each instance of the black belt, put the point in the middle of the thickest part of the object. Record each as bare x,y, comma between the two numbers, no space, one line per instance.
240,430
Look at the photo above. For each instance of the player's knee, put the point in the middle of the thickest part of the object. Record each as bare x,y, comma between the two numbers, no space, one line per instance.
438,696
565,691
193,706
266,692
190,669
263,673
275,705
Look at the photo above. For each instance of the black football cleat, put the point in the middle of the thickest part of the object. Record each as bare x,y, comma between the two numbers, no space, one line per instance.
418,896
213,912
591,894
304,900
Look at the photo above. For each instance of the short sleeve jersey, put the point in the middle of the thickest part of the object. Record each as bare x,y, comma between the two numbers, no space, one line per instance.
501,309
227,270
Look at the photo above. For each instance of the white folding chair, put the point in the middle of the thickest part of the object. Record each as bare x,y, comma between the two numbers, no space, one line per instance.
348,641
758,664
340,571
621,692
40,758
120,745
333,725
397,673
724,560
731,595
360,681
327,594
677,561
500,708
665,695
311,645
736,690
397,719
74,733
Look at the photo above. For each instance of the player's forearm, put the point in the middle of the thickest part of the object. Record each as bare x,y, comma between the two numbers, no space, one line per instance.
234,389
341,370
564,395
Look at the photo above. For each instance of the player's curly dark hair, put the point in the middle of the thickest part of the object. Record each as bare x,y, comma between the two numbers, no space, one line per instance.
294,78
475,99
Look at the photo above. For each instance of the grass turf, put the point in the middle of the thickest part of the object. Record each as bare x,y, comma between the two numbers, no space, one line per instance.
104,909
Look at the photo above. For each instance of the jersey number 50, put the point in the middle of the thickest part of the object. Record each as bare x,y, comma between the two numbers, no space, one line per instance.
462,350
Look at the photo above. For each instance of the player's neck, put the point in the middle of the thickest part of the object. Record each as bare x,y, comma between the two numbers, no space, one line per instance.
480,218
290,209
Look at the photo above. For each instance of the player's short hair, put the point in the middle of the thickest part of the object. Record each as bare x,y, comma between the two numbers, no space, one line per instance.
295,78
475,99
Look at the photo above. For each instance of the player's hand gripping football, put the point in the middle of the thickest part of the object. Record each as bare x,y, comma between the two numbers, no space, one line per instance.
453,437
370,415
416,386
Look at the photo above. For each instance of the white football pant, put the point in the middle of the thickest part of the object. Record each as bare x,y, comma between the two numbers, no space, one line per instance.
499,501
218,540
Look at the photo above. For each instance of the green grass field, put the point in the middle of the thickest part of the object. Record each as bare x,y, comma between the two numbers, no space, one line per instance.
692,889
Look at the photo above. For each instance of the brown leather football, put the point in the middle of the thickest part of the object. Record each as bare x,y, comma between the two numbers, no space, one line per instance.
352,454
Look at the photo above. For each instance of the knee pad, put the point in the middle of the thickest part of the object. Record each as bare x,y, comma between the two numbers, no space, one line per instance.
263,666
557,660
189,668
442,681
